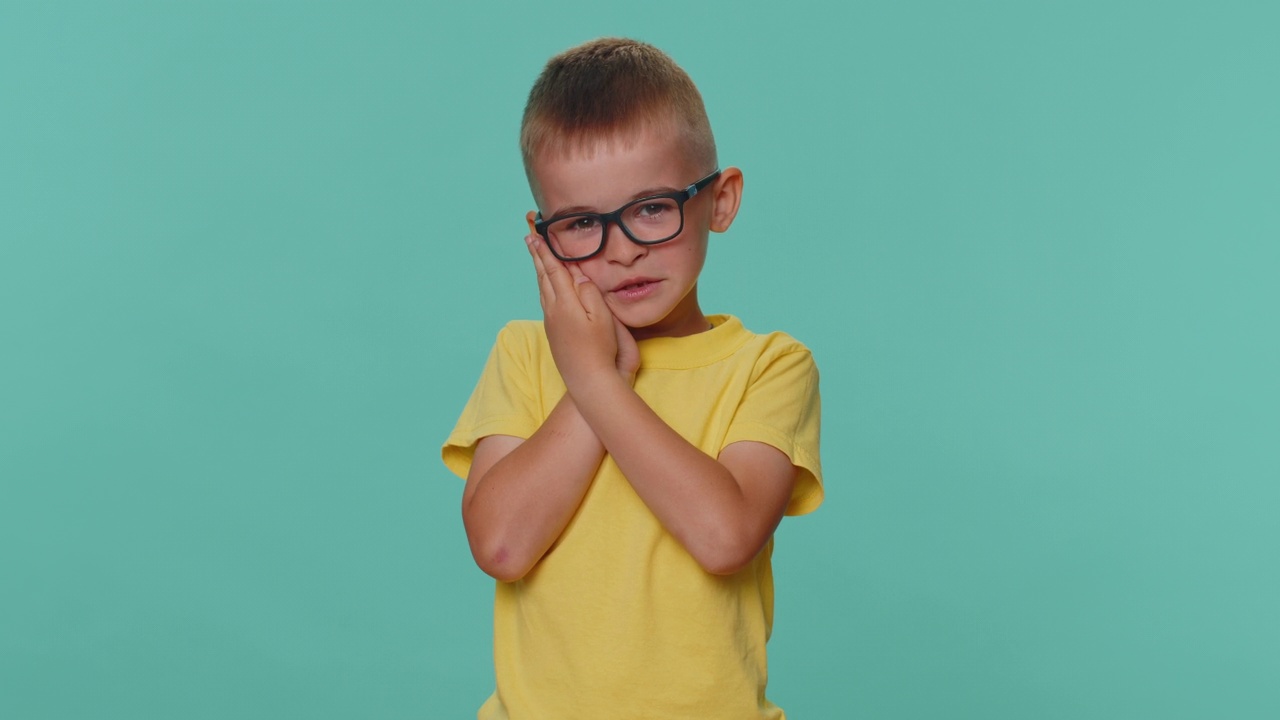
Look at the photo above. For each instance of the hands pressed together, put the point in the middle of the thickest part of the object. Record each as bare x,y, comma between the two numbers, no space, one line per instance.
586,338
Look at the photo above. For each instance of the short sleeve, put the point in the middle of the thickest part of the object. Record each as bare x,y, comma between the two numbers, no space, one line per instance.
504,401
782,408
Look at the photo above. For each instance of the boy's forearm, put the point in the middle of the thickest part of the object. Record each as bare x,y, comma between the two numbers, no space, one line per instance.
694,496
524,501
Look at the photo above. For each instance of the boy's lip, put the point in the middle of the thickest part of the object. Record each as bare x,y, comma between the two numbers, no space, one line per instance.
633,281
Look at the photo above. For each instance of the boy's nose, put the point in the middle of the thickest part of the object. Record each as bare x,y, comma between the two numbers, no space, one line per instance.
619,248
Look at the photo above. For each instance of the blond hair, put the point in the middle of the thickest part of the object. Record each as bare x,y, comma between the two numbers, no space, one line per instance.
609,87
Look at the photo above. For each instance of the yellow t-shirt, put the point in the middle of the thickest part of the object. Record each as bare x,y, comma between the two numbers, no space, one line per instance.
617,620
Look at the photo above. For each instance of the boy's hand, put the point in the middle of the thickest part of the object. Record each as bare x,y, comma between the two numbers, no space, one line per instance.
582,331
627,360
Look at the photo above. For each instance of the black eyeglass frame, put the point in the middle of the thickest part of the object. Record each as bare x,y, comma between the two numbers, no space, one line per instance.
681,197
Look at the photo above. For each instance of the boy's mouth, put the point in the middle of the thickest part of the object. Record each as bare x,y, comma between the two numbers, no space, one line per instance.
633,284
634,289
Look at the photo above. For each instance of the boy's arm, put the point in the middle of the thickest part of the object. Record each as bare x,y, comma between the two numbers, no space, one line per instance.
520,494
721,510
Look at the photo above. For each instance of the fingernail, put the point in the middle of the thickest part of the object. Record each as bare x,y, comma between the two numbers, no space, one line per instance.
582,279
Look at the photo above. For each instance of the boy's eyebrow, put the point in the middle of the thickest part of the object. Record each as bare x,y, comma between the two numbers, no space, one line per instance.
647,192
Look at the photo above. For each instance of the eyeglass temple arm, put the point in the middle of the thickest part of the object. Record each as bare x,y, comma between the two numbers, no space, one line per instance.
694,188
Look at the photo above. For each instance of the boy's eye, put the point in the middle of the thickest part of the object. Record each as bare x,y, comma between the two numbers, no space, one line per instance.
575,225
653,210
583,224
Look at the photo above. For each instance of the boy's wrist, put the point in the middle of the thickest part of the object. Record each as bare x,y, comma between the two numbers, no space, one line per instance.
587,388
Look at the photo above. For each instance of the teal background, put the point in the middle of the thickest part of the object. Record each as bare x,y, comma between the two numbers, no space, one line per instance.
252,257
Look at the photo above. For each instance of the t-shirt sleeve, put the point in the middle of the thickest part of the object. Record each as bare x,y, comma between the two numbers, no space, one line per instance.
504,401
782,408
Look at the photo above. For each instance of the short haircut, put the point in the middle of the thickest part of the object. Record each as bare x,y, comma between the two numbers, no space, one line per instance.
608,87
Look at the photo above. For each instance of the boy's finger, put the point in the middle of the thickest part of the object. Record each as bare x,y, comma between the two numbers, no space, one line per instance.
552,268
545,287
590,297
575,273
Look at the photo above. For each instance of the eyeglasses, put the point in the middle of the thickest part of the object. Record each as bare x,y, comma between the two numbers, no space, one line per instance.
647,221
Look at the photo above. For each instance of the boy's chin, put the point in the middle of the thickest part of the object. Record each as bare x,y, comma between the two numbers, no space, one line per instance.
636,319
647,327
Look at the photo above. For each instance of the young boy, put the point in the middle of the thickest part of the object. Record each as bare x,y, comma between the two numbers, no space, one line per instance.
628,459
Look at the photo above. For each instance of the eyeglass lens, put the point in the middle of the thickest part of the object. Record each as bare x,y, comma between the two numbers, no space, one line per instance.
649,220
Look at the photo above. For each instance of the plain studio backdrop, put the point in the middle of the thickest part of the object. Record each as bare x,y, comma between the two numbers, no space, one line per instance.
253,256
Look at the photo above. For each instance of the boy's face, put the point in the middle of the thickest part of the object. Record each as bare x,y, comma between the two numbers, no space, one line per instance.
651,289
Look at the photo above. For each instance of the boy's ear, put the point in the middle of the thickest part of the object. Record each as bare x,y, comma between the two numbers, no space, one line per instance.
727,196
531,217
